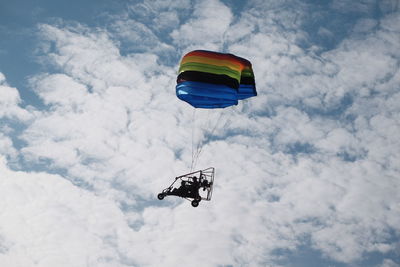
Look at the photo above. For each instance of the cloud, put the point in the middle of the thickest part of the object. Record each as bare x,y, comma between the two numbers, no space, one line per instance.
160,15
312,161
388,263
48,221
206,27
98,108
11,114
145,27
10,102
6,144
366,7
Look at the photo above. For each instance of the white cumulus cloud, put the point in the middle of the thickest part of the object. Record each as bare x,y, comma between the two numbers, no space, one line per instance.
312,161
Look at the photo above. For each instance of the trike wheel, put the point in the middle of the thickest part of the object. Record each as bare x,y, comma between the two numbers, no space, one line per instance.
160,196
195,203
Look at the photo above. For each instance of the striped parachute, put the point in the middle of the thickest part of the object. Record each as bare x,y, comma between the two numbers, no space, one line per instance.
210,80
214,80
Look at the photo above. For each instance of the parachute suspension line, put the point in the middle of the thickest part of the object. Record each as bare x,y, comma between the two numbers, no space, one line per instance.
196,147
224,119
211,133
207,129
231,114
202,140
193,136
196,140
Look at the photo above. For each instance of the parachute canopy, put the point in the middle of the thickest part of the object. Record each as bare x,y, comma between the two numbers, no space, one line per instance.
214,80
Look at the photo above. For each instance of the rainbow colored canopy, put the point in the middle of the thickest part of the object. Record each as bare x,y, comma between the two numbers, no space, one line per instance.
214,80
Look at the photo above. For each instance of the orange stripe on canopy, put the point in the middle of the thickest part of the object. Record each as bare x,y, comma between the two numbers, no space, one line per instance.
232,64
219,56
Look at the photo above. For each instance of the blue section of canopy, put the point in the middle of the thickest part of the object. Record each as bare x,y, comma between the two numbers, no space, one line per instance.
246,91
206,95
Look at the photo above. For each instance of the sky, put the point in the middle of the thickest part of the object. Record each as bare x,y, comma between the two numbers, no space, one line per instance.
307,172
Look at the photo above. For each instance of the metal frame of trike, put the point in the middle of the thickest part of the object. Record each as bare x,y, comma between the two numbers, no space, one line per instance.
206,174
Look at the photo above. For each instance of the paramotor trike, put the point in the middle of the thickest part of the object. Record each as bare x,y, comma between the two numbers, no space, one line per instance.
189,186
